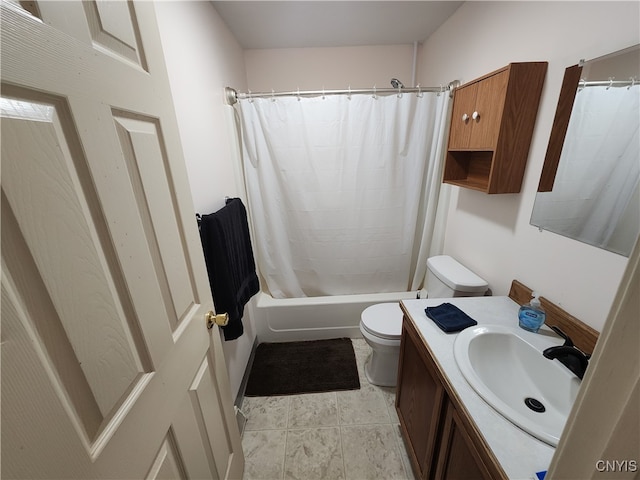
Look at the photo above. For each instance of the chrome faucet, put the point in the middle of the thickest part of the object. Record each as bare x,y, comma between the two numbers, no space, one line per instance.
567,354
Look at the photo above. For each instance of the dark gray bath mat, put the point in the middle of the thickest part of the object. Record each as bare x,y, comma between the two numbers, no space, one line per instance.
303,367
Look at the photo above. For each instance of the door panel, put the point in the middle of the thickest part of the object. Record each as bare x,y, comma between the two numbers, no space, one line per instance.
143,150
108,368
45,193
168,464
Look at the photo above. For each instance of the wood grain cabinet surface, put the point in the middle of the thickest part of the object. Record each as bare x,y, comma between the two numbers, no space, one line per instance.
442,441
492,124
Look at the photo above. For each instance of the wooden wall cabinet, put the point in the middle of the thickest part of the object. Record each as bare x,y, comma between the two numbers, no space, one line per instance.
492,124
441,440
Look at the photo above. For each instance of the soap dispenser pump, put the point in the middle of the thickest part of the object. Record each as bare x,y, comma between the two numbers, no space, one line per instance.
531,316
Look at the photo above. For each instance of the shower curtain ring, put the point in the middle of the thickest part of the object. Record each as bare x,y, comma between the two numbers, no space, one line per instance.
298,93
399,94
374,93
349,94
419,94
633,82
610,82
273,95
323,93
250,97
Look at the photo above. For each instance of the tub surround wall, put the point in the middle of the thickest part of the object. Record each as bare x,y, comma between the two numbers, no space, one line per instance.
492,235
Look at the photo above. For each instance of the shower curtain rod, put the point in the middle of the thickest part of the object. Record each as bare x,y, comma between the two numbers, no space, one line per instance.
609,83
232,96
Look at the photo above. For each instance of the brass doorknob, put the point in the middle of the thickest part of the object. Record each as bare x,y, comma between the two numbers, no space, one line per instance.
212,319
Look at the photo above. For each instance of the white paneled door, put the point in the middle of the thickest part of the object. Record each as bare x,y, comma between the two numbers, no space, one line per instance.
108,369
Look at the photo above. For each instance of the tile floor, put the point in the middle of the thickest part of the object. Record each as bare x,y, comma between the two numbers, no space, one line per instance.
350,435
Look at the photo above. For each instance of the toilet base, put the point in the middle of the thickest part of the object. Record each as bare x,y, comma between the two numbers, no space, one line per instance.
381,368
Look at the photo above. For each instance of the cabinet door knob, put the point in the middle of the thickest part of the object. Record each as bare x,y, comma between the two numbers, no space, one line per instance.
475,115
465,117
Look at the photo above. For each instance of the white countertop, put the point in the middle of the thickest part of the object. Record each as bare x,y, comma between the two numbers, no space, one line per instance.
520,454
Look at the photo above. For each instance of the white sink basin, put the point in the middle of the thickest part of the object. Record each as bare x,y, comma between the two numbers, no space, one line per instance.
505,367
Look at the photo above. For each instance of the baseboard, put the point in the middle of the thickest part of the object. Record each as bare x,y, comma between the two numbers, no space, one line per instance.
241,419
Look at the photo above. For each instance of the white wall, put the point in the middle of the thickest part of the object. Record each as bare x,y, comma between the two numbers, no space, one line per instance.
288,69
491,234
202,58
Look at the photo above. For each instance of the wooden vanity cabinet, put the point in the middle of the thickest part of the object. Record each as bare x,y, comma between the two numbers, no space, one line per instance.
419,400
441,440
458,457
492,124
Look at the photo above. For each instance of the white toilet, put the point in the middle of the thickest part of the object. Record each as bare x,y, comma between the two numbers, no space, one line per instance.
381,324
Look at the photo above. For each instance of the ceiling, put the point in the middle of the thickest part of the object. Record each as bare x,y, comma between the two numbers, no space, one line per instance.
301,24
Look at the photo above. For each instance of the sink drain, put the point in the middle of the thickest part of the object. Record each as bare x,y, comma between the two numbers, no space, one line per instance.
534,404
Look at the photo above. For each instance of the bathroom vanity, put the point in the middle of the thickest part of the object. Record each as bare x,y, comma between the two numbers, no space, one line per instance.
449,430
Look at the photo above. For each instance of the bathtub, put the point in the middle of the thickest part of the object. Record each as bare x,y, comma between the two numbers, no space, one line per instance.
315,318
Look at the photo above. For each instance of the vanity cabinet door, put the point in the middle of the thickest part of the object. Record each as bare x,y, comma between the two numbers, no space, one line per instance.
458,458
419,400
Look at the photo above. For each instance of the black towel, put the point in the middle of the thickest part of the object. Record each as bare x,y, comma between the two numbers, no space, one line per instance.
230,264
449,317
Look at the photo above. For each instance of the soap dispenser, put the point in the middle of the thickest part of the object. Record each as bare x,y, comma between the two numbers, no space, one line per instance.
531,316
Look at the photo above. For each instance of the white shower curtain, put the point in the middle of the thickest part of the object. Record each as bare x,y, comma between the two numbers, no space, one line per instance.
335,185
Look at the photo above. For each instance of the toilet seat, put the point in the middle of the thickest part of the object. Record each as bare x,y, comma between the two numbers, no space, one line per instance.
383,320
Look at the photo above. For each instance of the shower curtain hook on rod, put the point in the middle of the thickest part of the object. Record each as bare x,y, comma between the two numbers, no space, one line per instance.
420,94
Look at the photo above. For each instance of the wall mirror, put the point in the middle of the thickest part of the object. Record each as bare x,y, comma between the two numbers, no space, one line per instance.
589,186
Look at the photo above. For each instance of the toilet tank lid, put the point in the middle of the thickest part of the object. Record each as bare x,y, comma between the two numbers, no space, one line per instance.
455,275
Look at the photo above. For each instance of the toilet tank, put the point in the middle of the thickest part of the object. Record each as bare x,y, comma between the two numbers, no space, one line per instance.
446,278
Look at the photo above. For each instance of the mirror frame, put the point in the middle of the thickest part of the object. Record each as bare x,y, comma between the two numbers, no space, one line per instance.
567,97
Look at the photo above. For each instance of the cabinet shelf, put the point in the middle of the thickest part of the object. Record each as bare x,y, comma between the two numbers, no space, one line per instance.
491,128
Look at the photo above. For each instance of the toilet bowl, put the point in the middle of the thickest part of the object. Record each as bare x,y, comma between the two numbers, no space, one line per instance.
381,327
381,324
